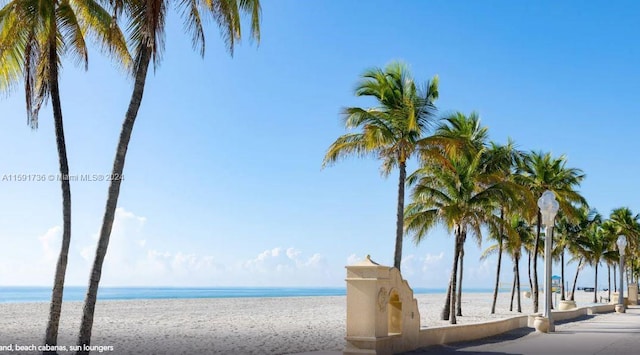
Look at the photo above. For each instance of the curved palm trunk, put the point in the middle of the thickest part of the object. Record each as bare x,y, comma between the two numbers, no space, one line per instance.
513,288
459,302
454,272
84,337
400,216
595,289
562,290
534,292
497,285
575,280
447,303
518,278
51,335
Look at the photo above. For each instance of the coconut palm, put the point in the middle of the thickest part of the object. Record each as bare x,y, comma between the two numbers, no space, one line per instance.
623,222
34,37
502,159
540,172
146,24
390,131
576,245
597,243
566,232
460,195
518,232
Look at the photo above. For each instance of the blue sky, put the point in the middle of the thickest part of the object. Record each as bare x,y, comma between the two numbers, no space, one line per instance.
223,183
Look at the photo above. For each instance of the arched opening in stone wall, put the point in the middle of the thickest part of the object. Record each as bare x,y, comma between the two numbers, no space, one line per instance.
395,313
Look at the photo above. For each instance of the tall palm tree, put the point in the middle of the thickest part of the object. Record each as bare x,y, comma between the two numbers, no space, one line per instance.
539,172
567,232
405,113
502,159
597,243
34,36
578,248
459,194
146,24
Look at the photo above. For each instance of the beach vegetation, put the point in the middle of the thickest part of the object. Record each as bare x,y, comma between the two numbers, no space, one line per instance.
145,21
405,114
35,36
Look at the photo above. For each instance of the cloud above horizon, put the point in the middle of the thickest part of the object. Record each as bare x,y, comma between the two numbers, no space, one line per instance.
135,258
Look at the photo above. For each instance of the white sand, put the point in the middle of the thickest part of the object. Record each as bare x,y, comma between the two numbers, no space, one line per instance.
224,326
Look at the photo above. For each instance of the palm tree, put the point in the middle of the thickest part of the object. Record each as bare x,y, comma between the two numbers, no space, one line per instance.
34,35
624,222
577,247
459,194
502,159
539,172
146,23
567,232
597,242
391,130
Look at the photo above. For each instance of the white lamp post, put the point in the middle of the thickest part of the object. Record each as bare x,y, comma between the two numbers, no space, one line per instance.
622,244
548,208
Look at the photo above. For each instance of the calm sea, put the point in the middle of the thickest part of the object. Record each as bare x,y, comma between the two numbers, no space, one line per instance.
11,294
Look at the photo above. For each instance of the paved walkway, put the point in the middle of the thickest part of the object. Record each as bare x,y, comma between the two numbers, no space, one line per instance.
603,334
610,333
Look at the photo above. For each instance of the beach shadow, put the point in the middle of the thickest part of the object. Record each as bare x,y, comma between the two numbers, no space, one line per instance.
462,347
577,319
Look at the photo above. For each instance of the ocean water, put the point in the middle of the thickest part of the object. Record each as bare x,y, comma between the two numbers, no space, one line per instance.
13,294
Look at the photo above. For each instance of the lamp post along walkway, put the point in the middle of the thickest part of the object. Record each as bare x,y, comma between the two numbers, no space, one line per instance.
548,209
622,244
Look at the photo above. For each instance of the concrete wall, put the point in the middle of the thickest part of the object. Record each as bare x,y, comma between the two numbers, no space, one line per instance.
383,316
465,332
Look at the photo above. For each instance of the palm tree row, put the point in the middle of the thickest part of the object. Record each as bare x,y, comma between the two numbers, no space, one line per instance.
34,36
469,184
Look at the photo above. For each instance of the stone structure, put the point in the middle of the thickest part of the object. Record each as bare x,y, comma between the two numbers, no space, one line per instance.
382,315
632,293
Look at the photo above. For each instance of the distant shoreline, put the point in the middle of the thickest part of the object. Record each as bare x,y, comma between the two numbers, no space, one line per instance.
31,294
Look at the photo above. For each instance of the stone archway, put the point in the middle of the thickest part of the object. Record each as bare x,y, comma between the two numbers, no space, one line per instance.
394,312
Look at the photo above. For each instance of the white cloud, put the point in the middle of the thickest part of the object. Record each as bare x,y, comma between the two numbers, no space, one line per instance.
50,242
135,258
272,267
132,258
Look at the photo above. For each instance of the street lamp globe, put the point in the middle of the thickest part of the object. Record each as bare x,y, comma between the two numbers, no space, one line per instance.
548,207
622,243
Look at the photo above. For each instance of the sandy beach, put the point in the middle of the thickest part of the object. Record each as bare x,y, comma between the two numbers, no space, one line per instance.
224,326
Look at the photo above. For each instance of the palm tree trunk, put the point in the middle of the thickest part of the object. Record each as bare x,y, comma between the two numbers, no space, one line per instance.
534,292
575,280
397,260
595,289
84,337
454,273
513,288
529,271
615,284
447,303
562,290
518,278
51,335
609,279
459,303
495,289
